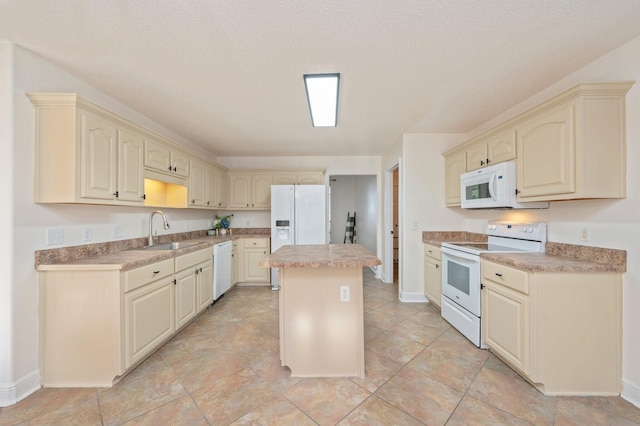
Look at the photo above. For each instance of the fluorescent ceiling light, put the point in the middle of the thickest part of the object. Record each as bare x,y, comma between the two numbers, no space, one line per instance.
322,95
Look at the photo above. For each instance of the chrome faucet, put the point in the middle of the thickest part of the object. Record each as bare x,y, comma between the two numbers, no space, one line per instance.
164,219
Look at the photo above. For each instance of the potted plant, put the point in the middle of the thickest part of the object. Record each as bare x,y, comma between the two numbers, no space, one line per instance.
222,223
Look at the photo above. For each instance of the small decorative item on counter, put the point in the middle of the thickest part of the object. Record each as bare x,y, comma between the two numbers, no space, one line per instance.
222,223
211,232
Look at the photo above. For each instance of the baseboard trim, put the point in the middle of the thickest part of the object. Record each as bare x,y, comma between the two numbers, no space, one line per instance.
631,393
11,393
412,297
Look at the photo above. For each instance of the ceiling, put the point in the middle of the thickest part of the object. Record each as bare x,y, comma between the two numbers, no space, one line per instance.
227,75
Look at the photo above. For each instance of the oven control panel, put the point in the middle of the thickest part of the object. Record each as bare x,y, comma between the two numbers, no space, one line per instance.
522,230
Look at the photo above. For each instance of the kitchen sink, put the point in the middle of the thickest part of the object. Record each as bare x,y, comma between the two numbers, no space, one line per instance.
170,246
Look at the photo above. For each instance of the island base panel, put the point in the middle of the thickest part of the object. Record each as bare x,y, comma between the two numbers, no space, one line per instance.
320,335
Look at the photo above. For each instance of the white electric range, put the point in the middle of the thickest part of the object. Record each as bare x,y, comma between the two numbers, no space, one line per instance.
461,270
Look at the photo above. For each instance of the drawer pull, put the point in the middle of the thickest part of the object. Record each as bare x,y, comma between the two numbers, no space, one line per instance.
156,272
498,275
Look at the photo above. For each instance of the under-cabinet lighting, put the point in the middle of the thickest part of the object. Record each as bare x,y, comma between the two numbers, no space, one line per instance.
322,95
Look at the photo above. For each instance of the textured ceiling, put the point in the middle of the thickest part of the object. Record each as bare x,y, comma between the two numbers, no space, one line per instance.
227,75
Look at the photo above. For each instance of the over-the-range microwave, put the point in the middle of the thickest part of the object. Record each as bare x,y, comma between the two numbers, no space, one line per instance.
493,187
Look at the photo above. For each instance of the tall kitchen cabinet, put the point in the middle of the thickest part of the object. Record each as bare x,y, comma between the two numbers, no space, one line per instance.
84,154
560,330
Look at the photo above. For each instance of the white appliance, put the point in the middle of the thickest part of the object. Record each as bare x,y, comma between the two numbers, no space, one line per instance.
493,187
221,268
461,271
297,217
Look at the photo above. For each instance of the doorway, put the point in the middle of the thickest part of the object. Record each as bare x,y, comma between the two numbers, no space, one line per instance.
392,225
354,195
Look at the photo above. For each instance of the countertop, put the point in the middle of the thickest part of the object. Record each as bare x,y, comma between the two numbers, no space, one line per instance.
321,256
558,257
131,258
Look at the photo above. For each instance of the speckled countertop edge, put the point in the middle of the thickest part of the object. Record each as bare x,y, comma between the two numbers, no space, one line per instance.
320,256
558,257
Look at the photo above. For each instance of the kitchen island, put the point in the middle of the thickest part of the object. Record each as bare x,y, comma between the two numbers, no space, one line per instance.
321,310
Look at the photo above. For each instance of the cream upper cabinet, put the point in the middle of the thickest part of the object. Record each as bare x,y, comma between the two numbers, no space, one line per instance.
165,158
560,330
491,149
98,152
250,191
197,176
574,146
298,178
215,187
454,165
84,154
432,274
130,183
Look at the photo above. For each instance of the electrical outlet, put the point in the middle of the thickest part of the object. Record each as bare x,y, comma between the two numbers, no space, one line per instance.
584,234
345,293
117,231
55,236
87,233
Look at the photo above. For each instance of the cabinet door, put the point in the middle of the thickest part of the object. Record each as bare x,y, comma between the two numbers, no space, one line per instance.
505,323
211,187
432,280
235,262
252,271
157,155
239,195
502,147
310,178
180,163
546,153
130,167
223,189
261,191
196,184
185,289
148,319
205,285
477,156
285,179
454,166
98,165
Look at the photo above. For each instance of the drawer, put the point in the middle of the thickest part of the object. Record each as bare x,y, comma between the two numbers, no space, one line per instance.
138,277
432,251
188,260
256,243
513,278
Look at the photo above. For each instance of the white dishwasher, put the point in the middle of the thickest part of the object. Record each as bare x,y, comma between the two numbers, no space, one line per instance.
221,268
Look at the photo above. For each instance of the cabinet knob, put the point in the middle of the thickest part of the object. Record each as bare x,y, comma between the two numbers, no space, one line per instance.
437,266
193,201
170,169
143,196
487,161
175,169
116,194
481,163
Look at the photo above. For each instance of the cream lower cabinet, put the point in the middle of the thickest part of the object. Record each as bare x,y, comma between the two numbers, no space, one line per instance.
247,254
236,248
561,331
149,319
432,274
97,322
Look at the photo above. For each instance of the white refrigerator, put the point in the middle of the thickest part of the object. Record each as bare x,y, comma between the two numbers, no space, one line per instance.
298,216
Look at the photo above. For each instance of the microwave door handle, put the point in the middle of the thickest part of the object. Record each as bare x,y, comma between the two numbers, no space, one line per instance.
492,186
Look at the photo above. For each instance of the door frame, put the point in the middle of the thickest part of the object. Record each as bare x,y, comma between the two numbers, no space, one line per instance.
388,224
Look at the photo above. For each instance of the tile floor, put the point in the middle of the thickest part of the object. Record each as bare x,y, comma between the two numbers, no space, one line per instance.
224,369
